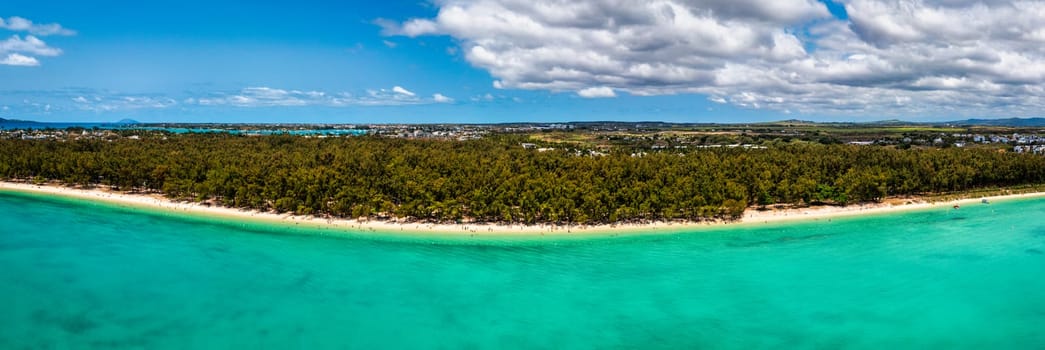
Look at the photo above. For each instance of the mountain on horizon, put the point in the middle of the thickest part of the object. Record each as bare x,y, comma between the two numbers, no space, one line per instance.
892,122
1025,122
795,121
3,120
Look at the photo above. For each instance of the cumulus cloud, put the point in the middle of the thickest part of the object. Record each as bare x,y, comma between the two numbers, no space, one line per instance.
400,90
29,45
24,25
596,92
939,57
19,51
440,98
14,59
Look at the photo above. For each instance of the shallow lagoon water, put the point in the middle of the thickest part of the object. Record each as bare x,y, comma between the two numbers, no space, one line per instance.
77,274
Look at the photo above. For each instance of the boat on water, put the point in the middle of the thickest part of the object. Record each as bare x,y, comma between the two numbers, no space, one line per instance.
985,201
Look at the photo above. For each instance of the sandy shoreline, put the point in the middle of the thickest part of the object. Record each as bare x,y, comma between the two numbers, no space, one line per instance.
751,216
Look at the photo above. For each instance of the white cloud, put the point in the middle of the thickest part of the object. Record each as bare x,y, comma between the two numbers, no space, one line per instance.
30,45
14,59
596,92
488,97
559,45
122,102
273,97
21,52
261,97
402,91
24,25
942,57
440,98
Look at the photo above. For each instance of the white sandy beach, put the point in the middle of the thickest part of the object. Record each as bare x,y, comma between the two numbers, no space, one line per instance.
751,216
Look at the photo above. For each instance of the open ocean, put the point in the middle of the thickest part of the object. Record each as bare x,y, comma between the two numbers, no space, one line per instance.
78,274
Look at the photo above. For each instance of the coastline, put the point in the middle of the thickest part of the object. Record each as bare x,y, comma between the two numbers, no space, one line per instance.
751,216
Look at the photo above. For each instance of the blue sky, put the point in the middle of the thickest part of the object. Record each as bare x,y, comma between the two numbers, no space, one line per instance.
507,60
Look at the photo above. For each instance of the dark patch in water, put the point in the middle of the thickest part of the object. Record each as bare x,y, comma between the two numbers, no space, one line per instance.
1034,251
73,324
236,315
957,218
27,246
450,319
132,343
304,279
781,240
78,324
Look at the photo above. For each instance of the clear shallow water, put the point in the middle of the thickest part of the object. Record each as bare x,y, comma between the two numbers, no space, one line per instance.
85,275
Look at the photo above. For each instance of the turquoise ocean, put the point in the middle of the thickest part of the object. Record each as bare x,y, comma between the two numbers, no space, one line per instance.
80,275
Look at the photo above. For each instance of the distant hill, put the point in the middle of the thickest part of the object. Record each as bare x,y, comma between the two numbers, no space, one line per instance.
793,122
892,122
29,124
19,121
2,120
1027,122
19,124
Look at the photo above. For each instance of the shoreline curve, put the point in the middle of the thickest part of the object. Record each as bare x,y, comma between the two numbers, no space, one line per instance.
752,216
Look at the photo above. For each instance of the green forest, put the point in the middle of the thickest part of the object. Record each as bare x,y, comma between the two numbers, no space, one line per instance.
496,180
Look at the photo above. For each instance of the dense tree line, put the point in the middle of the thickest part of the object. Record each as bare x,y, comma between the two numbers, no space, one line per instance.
495,179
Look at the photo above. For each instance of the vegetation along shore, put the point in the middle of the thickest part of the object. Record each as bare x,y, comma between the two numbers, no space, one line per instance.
512,180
